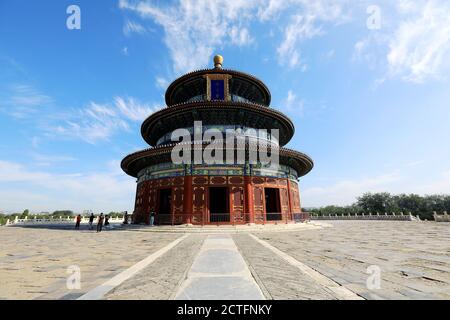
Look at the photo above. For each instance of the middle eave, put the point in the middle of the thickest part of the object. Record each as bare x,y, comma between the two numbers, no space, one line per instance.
217,113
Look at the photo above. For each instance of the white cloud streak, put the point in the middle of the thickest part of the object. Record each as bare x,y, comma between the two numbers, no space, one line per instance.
193,29
346,191
22,188
99,122
413,43
22,101
131,27
293,104
420,47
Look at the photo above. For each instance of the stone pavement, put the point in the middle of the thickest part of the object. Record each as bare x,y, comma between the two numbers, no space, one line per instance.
413,257
34,261
219,273
161,279
311,263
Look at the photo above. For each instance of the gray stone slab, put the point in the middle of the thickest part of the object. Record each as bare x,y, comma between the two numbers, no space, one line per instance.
218,261
219,272
221,288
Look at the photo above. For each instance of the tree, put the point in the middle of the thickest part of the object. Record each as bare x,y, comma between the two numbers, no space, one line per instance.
377,202
24,214
63,213
421,206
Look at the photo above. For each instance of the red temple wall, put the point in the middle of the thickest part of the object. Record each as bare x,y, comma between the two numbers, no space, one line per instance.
246,197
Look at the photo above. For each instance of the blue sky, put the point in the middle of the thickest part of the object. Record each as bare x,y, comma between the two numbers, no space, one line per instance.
367,88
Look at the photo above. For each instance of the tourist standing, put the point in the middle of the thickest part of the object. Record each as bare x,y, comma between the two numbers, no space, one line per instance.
77,222
91,220
100,222
106,221
152,218
125,217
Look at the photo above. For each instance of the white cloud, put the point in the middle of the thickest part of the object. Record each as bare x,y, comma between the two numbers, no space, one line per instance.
345,192
133,109
307,23
195,29
330,54
22,101
413,44
35,141
240,37
420,47
98,122
300,28
271,9
92,123
47,160
95,122
440,186
45,191
131,27
293,104
26,95
162,83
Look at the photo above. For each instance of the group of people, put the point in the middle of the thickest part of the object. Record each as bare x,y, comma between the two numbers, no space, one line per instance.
102,221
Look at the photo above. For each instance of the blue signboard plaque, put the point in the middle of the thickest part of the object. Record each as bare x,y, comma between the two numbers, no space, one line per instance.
217,90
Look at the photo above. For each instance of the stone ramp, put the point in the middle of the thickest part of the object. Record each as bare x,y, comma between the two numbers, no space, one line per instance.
219,272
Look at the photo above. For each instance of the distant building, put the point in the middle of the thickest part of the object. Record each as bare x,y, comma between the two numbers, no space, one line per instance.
232,192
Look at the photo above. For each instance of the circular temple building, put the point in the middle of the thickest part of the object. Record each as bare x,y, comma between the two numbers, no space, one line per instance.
232,192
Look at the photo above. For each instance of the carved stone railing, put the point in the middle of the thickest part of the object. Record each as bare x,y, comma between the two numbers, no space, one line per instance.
61,220
441,217
378,217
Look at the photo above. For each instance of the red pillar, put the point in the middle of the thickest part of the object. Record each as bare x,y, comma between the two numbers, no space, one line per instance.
187,200
289,199
248,187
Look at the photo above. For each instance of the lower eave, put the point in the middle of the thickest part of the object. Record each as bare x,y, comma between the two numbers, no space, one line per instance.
139,160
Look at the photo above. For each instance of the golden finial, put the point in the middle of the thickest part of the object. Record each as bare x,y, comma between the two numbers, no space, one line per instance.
218,61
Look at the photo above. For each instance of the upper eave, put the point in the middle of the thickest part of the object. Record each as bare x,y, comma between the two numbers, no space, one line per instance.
188,76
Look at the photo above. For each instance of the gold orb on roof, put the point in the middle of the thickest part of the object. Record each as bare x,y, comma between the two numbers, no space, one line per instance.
218,61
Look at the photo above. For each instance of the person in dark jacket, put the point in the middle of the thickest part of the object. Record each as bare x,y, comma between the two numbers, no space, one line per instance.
91,220
100,222
106,221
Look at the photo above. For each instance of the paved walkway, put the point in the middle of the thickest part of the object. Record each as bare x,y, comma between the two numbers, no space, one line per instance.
413,258
328,263
219,273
